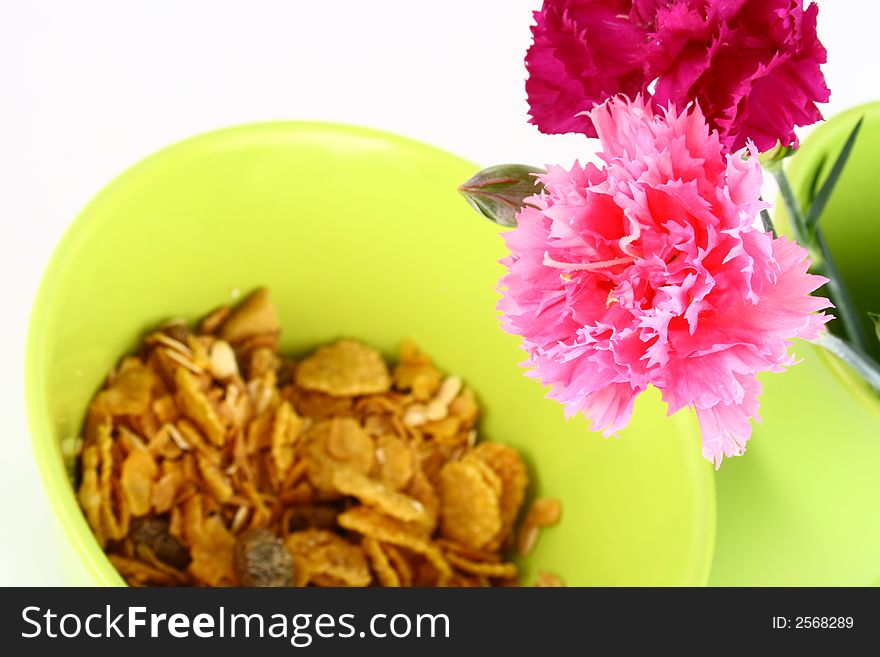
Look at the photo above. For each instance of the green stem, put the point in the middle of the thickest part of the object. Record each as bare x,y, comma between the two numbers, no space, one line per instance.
823,263
798,221
863,364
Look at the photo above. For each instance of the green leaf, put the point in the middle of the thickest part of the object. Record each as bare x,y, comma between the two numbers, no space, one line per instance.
847,314
876,318
813,188
767,221
822,198
499,192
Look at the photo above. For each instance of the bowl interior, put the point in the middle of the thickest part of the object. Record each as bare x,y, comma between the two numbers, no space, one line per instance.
361,234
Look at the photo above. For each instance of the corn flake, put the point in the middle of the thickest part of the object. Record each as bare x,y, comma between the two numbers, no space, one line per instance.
285,431
137,573
390,530
139,471
395,460
401,564
130,392
329,444
508,465
255,316
470,511
483,568
89,495
216,482
385,573
318,553
344,369
212,545
376,494
167,490
196,405
416,373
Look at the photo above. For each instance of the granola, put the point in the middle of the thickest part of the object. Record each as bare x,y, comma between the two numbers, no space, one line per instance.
209,459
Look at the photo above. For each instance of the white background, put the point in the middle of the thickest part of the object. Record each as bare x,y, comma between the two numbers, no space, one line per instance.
91,87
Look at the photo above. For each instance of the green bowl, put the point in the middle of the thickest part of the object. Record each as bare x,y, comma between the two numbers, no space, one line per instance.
356,233
802,507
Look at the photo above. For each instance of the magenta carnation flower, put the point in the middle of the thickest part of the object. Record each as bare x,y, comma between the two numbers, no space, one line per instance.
753,65
650,270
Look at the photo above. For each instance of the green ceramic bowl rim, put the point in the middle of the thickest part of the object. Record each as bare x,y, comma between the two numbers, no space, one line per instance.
48,455
830,136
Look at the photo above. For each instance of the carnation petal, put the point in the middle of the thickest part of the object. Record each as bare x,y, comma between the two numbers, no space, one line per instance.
726,428
651,271
583,52
754,66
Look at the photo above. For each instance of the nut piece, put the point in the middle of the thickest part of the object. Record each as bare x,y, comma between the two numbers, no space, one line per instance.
438,408
222,359
261,560
544,512
415,415
546,579
256,315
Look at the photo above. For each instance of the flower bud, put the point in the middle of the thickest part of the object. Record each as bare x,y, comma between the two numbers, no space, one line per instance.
499,192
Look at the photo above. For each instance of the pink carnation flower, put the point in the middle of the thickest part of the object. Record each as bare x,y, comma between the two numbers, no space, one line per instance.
650,270
753,65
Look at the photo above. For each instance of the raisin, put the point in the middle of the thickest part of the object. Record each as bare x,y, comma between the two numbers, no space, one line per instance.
153,532
261,560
